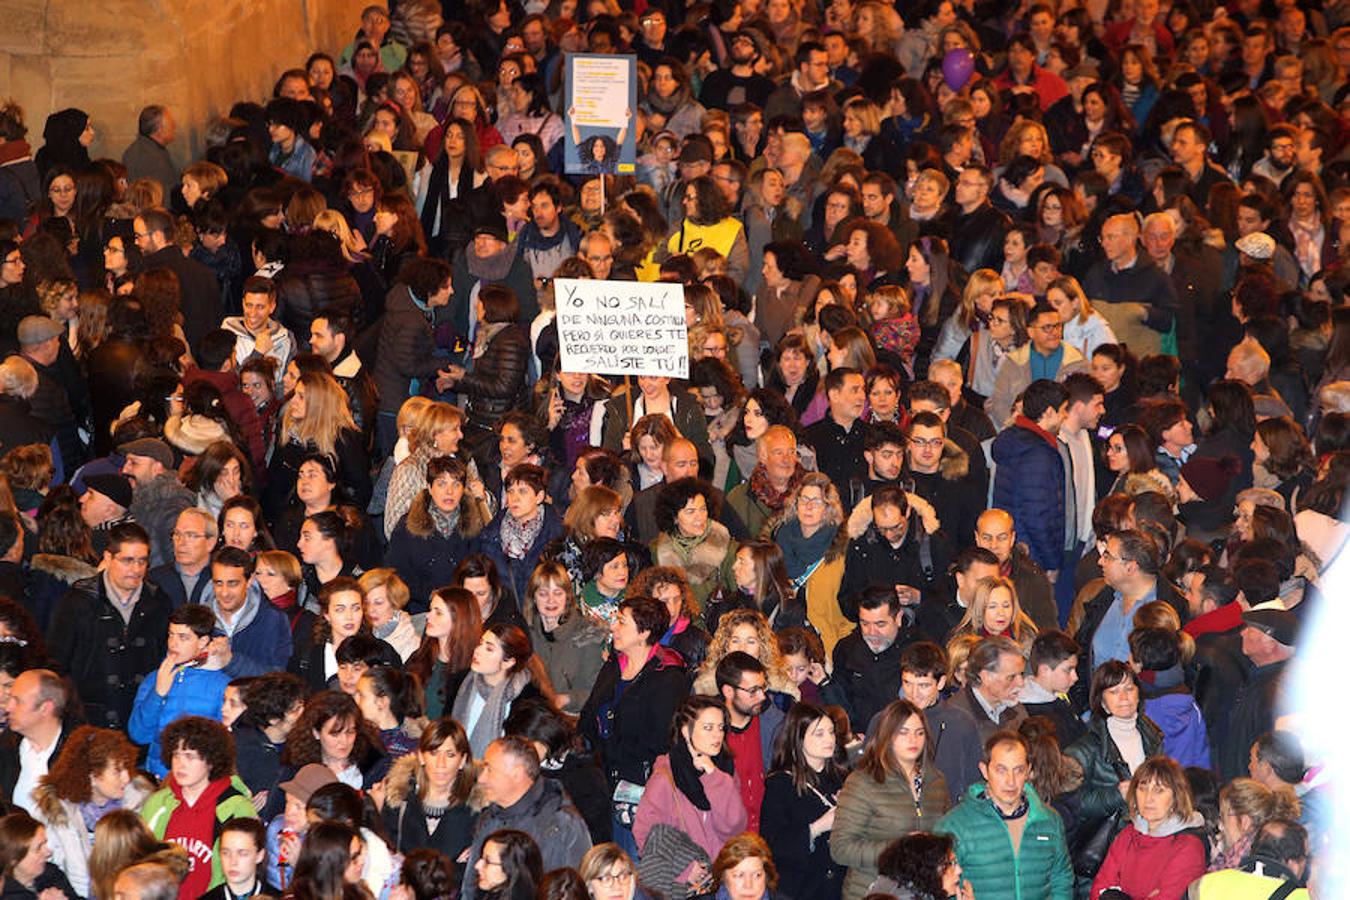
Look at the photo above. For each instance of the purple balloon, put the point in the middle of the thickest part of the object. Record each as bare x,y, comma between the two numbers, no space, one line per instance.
957,67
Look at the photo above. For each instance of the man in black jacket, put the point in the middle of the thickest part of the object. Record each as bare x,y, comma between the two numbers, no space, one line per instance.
838,438
895,551
40,345
199,291
1268,639
867,661
109,631
977,236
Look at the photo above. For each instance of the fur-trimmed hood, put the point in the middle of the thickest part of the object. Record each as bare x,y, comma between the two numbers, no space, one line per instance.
955,462
420,523
63,568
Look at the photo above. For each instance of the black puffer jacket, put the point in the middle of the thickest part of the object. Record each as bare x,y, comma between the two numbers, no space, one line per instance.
496,384
405,349
306,286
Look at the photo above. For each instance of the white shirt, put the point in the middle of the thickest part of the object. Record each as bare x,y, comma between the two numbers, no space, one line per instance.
32,766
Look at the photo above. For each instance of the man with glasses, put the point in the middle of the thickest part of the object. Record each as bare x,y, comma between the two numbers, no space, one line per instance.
898,550
940,472
753,724
1044,357
109,631
187,579
1130,567
597,248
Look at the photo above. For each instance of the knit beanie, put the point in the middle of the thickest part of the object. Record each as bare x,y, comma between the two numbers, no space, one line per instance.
1208,476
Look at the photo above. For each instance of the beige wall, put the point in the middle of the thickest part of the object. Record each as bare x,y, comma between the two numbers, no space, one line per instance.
198,57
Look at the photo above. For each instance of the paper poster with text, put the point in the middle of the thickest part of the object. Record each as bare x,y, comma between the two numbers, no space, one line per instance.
622,327
601,98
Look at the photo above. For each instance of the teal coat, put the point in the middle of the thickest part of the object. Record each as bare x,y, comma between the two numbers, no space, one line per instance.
1039,871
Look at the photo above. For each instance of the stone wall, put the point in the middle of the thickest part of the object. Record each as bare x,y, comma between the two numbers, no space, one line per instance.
198,57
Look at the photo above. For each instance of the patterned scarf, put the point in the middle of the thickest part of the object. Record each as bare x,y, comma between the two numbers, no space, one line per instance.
763,491
518,537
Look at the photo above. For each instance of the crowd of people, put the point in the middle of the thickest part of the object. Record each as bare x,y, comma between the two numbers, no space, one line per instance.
968,561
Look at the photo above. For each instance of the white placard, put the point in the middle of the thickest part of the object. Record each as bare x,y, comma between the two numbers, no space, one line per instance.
622,327
600,89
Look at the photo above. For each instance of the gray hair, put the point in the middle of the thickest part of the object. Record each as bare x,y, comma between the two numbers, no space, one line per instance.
18,378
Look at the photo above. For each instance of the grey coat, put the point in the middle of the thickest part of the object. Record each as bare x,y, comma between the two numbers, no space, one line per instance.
572,655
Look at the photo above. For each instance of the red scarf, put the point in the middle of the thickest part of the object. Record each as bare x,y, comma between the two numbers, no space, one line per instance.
764,491
1023,422
12,150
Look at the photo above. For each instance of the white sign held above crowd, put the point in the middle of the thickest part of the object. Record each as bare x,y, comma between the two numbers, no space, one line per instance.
622,327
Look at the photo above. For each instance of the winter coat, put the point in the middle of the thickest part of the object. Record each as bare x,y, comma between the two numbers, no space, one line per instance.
259,762
1029,486
52,878
516,573
572,655
871,815
869,680
199,294
805,866
406,823
194,692
112,366
71,842
425,562
1014,376
497,382
664,804
629,735
687,417
104,657
707,566
1104,769
234,803
349,456
546,815
872,560
1184,736
19,425
1038,870
955,492
1157,866
405,362
305,286
50,403
156,505
261,641
50,575
245,416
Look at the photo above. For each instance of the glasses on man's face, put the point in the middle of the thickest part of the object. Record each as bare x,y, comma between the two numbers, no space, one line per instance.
757,690
926,443
187,535
891,530
138,562
1051,328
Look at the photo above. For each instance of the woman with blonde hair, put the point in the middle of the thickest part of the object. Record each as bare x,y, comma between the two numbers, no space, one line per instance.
880,26
862,128
994,611
969,327
1246,804
318,420
566,640
1027,137
1084,327
352,244
201,181
121,839
748,631
812,534
436,430
596,511
386,597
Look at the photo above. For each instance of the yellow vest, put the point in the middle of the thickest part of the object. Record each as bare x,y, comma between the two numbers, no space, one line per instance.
720,236
1234,884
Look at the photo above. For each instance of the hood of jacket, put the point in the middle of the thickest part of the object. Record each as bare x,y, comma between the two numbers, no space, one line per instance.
1173,825
1022,355
402,779
59,813
63,568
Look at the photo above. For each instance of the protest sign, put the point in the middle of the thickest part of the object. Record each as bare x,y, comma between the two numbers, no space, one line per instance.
622,327
601,97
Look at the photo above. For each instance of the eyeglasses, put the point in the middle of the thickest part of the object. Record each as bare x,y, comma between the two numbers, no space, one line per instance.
13,260
810,502
140,562
888,530
610,879
758,690
1051,329
187,535
927,443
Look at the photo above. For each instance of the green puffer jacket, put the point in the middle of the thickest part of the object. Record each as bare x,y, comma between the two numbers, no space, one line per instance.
233,804
1039,871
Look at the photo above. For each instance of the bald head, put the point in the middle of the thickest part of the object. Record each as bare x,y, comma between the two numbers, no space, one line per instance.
680,459
994,532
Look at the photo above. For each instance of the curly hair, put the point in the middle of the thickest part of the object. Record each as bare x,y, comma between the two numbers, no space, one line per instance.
269,697
207,737
917,861
834,507
302,745
768,647
646,582
677,494
93,751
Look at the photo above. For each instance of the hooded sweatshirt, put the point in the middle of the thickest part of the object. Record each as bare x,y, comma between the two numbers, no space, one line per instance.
193,827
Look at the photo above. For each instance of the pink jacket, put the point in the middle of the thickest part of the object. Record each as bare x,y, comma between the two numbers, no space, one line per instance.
663,804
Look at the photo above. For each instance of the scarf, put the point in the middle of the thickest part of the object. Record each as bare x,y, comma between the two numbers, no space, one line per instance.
518,537
490,268
496,703
445,523
438,194
801,553
688,780
668,106
486,333
1308,238
764,492
14,150
1125,734
91,812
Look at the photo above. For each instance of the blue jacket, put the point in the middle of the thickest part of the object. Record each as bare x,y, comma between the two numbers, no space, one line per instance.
1184,736
261,641
516,572
1029,486
194,692
171,583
